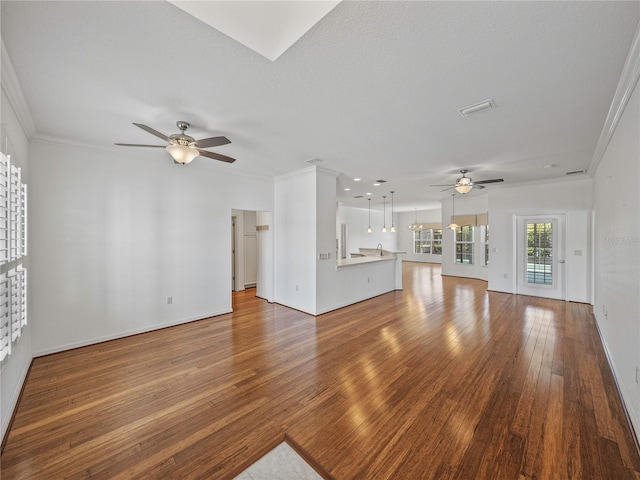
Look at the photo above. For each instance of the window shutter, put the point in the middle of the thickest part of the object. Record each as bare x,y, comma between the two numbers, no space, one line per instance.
5,343
13,247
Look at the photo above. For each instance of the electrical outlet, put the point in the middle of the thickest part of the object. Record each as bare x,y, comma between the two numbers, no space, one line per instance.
637,374
169,300
296,288
368,280
505,275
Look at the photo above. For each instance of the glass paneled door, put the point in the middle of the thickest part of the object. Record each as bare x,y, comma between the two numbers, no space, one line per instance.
540,256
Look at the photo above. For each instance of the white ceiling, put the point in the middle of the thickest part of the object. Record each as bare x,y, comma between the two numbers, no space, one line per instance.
268,28
372,89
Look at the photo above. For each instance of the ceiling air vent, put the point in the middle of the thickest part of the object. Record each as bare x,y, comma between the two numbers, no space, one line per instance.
477,107
357,196
575,172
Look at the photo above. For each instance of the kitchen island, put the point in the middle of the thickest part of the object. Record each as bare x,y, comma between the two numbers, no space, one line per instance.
368,263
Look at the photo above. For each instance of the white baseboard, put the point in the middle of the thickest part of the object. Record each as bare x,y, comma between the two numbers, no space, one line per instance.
626,399
126,333
14,401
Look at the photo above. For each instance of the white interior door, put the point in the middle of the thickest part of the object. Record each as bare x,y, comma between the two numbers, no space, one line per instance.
540,261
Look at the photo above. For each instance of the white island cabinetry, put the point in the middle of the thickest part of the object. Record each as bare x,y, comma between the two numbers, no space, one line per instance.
359,278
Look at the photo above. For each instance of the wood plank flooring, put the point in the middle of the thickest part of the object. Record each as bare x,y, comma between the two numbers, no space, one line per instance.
441,380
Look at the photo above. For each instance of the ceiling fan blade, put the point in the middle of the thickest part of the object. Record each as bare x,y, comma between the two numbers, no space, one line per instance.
212,142
139,145
445,188
475,185
449,185
493,180
153,132
217,156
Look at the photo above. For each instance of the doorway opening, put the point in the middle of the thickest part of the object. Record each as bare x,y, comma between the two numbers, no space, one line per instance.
251,253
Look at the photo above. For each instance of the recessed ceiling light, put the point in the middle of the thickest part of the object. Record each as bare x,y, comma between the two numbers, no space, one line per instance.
357,179
347,189
368,193
376,184
550,165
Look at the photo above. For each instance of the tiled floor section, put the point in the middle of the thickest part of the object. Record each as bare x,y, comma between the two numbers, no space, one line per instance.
281,463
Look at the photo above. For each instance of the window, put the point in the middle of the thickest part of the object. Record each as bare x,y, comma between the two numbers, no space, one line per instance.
428,241
464,245
422,241
437,241
540,253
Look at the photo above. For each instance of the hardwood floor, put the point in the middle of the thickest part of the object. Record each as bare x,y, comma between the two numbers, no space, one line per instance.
441,380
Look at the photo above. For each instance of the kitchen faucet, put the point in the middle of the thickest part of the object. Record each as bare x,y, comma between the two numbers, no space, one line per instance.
379,247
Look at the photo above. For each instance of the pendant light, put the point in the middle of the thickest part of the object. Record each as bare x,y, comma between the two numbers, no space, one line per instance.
369,229
415,225
384,214
393,227
453,225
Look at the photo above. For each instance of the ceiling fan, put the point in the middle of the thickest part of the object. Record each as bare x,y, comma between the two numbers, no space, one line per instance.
182,147
464,184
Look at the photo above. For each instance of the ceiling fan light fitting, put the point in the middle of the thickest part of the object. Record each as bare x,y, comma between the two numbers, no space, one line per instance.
182,153
463,188
453,226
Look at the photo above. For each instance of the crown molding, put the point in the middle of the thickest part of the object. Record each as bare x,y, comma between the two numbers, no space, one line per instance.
306,171
11,87
62,142
626,85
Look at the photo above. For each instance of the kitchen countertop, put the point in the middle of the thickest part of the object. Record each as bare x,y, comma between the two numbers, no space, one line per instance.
343,262
369,255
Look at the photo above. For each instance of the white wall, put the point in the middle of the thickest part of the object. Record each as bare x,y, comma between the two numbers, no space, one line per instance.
573,198
358,221
15,370
464,205
405,234
114,234
617,253
295,239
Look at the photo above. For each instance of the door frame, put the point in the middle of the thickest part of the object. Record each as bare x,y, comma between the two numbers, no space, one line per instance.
233,253
559,288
